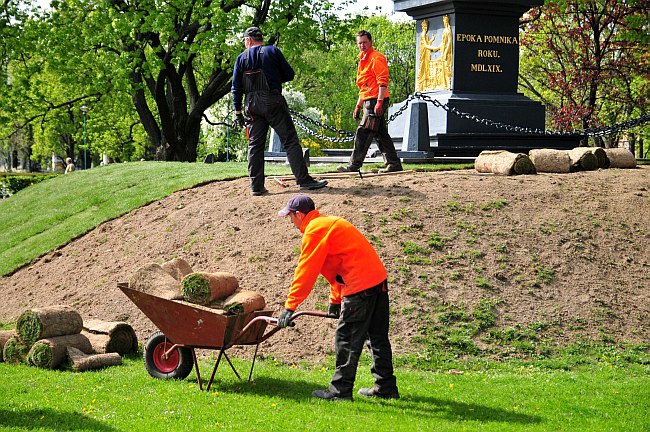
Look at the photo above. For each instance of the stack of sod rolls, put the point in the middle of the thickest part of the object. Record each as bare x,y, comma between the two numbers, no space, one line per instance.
581,159
43,334
502,162
110,336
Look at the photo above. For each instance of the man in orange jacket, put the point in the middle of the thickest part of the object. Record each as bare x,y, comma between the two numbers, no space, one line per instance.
333,247
372,80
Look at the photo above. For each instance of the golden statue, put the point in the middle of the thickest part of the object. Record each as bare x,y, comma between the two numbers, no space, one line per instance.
435,74
424,59
441,78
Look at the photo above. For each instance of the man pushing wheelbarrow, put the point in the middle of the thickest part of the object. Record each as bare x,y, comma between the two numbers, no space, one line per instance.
333,247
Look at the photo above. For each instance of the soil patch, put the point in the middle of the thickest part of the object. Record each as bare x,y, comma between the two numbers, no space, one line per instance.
568,250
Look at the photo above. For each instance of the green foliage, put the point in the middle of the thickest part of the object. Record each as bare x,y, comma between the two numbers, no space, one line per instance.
14,183
585,60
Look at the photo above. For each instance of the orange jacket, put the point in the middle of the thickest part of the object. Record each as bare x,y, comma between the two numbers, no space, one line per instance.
332,246
372,73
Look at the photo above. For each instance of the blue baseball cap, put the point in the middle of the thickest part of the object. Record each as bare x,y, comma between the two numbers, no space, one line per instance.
299,203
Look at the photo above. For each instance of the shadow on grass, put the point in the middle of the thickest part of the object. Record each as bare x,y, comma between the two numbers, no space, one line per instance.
418,406
49,419
448,410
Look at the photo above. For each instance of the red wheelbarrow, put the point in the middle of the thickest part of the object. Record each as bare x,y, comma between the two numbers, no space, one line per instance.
184,327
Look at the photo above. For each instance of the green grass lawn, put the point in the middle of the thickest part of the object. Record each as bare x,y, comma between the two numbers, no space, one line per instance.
125,398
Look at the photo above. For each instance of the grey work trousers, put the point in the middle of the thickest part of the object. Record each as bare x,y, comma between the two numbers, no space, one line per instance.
364,316
364,137
269,108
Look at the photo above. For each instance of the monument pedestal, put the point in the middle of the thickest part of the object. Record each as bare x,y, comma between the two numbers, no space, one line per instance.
481,41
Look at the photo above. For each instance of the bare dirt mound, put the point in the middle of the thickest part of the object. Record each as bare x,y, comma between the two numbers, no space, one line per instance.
571,251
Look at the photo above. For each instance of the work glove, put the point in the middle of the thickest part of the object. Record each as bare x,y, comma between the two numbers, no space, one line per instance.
240,121
284,319
379,108
334,310
357,112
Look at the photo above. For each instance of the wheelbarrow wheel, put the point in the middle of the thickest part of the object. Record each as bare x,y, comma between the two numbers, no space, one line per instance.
178,363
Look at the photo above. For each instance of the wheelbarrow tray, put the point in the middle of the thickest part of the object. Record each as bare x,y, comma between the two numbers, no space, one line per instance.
195,325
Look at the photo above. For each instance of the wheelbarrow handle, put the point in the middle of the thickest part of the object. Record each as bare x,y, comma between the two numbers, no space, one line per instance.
274,321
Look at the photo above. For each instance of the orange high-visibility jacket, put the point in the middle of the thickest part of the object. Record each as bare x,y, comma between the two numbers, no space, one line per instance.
332,246
372,73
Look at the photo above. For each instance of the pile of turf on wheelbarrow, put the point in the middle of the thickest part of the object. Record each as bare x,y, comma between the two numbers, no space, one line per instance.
175,280
57,337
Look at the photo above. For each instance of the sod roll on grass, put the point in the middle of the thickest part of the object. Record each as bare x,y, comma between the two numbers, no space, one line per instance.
51,353
110,336
244,302
203,288
41,323
80,361
503,162
5,335
15,351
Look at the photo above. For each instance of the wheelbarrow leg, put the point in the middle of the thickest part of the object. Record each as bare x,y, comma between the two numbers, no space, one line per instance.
214,370
196,366
231,365
250,375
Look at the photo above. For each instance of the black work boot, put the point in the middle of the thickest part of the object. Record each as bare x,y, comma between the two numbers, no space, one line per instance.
329,396
372,392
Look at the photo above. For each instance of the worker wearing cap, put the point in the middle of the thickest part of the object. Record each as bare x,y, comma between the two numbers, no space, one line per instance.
259,73
372,80
333,247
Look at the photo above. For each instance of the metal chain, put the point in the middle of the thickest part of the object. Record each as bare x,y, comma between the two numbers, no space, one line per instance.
589,132
320,124
349,136
321,136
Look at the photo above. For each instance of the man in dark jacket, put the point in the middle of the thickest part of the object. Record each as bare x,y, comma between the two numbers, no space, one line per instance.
259,73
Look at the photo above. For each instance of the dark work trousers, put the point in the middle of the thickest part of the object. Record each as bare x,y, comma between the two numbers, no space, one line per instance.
364,316
364,138
269,108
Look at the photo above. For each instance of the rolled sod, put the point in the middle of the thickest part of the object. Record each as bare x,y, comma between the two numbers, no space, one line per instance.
80,361
15,351
203,288
110,336
5,335
502,162
620,157
153,279
177,268
583,159
603,161
51,353
41,323
550,160
244,302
